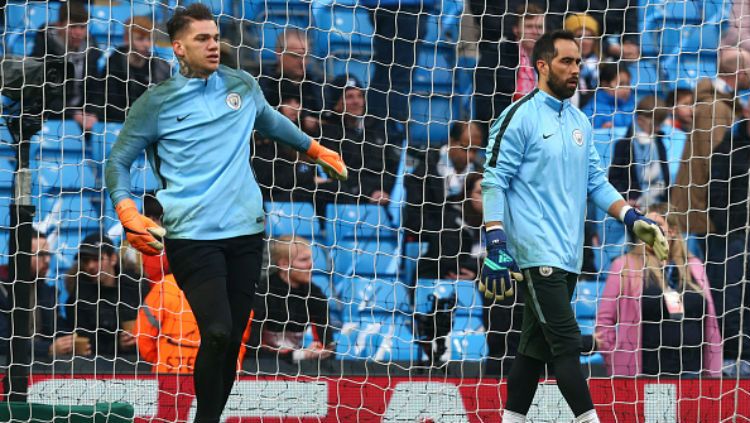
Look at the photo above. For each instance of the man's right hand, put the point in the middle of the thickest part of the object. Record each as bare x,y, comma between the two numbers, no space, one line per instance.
329,159
499,271
141,232
62,345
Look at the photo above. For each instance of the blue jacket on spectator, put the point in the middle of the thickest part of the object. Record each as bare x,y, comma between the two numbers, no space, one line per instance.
604,108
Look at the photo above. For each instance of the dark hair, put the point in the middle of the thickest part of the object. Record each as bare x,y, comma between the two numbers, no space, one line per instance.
652,107
525,10
676,94
544,48
73,13
609,71
459,127
185,15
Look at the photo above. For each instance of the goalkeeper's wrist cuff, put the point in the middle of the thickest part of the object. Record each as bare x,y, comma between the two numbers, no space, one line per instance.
497,227
624,211
314,150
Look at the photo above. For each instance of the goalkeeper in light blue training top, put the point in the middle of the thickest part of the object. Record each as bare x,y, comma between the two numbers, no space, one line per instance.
541,169
196,129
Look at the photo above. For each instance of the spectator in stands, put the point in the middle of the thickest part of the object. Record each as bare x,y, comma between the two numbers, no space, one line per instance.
715,110
640,168
44,304
370,146
83,97
399,25
282,173
586,29
728,243
103,301
290,77
738,32
435,195
290,304
658,318
132,68
619,21
505,72
682,101
166,330
613,103
617,18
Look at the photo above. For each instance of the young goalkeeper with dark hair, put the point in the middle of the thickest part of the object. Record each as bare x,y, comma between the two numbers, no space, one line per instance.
195,128
541,170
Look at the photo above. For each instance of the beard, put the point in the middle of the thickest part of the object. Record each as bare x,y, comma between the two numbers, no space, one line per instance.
560,88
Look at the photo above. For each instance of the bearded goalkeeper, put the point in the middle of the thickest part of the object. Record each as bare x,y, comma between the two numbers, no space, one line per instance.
541,169
195,128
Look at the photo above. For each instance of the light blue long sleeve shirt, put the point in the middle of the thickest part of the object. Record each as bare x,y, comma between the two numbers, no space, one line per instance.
541,168
196,133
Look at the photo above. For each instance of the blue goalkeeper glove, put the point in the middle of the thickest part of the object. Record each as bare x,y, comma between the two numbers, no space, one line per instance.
647,231
499,271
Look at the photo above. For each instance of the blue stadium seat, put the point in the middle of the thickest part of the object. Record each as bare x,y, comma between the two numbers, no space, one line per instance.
7,173
103,137
586,298
58,140
684,70
70,213
365,258
435,70
55,177
296,218
142,177
374,300
346,222
469,301
675,144
596,359
604,142
378,341
340,30
218,7
107,23
645,77
431,116
6,142
412,252
23,20
443,26
468,346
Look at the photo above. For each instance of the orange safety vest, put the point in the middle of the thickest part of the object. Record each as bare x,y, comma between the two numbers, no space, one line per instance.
166,330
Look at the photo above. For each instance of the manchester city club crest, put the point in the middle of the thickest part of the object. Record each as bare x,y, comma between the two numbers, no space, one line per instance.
578,137
234,101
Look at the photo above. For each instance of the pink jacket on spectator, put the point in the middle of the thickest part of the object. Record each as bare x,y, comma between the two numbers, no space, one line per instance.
618,319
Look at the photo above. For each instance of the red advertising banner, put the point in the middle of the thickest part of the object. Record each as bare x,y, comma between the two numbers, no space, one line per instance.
170,398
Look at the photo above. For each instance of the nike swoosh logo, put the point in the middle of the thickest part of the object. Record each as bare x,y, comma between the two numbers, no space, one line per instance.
181,118
545,136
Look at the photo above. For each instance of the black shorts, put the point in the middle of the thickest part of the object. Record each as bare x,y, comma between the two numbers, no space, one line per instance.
236,260
549,326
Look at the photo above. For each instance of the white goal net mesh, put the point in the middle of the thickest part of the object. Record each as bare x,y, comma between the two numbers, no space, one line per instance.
406,91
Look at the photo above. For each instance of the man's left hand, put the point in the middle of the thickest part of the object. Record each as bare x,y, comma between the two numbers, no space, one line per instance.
647,231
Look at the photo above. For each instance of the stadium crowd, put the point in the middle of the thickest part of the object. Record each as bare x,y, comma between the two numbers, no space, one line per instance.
680,152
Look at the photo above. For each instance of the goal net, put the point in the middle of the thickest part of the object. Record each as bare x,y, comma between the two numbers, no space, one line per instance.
387,323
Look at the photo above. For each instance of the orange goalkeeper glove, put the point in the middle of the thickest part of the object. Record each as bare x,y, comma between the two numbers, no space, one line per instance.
140,231
329,159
